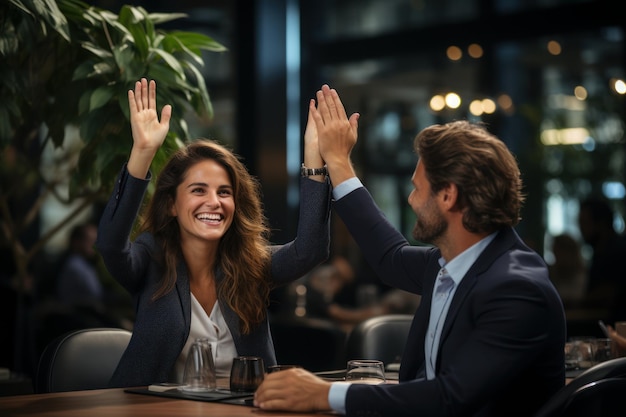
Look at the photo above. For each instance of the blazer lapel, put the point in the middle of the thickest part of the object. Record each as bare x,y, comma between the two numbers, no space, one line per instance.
184,294
502,242
413,364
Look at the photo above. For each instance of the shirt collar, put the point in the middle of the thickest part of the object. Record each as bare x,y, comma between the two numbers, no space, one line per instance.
460,264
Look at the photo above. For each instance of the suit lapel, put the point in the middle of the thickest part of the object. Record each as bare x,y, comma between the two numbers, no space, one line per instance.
413,364
502,243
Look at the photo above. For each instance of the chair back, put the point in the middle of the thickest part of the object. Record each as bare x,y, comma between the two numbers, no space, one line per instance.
598,399
81,360
614,368
382,338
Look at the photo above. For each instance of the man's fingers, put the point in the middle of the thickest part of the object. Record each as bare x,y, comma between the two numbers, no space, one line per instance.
354,121
330,101
340,111
322,105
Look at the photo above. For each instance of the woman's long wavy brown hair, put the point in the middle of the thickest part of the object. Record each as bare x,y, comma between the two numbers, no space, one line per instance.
243,253
482,167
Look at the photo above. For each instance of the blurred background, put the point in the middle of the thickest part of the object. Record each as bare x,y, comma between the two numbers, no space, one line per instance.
547,76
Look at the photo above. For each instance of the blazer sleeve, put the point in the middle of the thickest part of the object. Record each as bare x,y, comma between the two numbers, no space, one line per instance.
124,260
393,259
312,243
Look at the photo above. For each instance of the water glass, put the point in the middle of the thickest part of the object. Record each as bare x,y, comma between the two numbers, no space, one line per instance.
620,328
365,371
246,373
578,354
602,350
199,373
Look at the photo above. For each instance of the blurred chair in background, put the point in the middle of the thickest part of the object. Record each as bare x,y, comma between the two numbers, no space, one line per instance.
381,338
598,399
560,402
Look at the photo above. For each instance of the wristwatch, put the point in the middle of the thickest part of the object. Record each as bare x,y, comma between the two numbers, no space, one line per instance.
307,172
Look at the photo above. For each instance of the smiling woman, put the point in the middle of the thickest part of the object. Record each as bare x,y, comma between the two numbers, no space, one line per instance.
202,265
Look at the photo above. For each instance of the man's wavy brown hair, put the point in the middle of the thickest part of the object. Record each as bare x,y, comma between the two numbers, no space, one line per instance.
480,165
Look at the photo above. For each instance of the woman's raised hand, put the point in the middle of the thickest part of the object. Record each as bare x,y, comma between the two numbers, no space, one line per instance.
148,132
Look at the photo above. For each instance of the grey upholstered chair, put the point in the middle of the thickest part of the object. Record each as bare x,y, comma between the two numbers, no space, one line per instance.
382,338
81,360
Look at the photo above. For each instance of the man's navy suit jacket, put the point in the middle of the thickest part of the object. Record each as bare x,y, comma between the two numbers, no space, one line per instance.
501,350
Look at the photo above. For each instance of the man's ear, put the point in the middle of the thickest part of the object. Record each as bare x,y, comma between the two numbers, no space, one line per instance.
448,196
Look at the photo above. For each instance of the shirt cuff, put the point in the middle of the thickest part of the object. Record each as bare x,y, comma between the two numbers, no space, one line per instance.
337,396
346,187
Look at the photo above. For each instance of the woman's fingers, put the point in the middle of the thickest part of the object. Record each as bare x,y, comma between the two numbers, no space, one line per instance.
166,115
144,94
152,95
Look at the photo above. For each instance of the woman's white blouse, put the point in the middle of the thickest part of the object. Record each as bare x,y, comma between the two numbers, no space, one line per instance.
215,329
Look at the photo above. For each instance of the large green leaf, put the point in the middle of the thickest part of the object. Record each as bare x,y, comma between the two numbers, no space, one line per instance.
171,61
97,50
159,18
141,42
100,97
173,44
198,41
204,107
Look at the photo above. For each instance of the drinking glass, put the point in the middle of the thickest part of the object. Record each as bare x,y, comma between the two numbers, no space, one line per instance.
365,371
602,350
572,356
620,328
246,373
199,373
578,354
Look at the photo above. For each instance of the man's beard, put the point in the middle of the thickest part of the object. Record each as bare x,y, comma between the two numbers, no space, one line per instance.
430,224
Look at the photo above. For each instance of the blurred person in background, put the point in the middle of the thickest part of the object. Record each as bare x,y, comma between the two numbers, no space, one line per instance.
568,272
606,285
78,281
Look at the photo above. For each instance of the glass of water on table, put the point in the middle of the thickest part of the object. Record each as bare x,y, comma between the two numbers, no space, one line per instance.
365,371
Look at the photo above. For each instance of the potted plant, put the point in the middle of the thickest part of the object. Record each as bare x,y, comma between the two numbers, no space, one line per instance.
65,69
